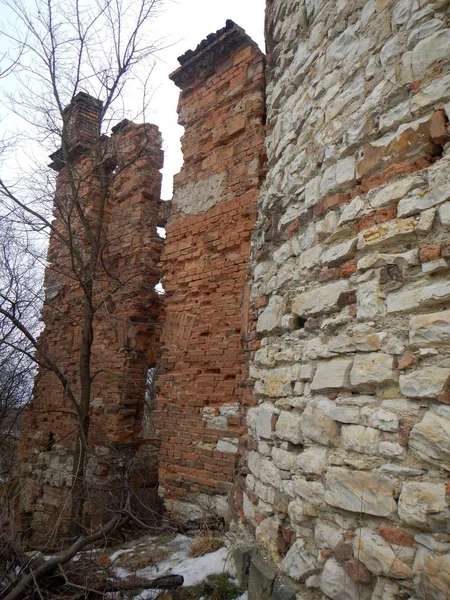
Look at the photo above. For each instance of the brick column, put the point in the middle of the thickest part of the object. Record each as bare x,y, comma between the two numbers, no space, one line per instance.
203,365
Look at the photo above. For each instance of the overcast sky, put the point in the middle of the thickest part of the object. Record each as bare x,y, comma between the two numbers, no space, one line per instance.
182,24
186,23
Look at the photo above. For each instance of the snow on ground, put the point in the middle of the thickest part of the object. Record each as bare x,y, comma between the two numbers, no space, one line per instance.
178,562
172,559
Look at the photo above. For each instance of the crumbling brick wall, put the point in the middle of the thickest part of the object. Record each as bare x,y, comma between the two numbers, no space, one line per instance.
126,330
347,484
202,371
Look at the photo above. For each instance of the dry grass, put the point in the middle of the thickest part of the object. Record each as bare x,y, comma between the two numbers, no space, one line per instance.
204,543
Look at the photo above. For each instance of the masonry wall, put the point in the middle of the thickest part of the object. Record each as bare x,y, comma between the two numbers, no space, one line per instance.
126,330
202,370
347,487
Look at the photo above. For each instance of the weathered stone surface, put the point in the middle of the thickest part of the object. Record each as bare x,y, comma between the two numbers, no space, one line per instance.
391,449
284,589
264,420
227,445
288,427
339,252
242,555
430,330
346,414
373,369
360,492
415,204
374,260
329,103
351,343
269,473
380,419
317,425
434,294
276,382
310,491
271,316
423,504
266,535
431,576
428,382
296,512
430,440
326,536
284,460
248,508
261,578
380,557
207,192
335,583
395,191
369,303
299,563
332,374
404,300
313,460
444,214
352,210
361,439
322,299
390,232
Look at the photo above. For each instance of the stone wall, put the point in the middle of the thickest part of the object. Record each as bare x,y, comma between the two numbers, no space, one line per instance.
347,488
125,326
202,370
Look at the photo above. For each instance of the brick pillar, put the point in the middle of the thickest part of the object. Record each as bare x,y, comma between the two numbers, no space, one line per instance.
126,330
202,366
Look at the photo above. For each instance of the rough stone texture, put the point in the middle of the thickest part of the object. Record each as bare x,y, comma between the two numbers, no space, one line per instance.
431,575
381,557
430,439
373,369
335,583
428,382
261,579
202,365
360,492
353,239
430,330
423,504
299,564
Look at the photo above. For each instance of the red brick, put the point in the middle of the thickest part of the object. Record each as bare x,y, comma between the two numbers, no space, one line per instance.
429,253
357,571
438,128
209,321
348,269
330,202
394,535
406,361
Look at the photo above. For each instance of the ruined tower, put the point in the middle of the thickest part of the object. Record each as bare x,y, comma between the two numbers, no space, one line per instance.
122,198
203,372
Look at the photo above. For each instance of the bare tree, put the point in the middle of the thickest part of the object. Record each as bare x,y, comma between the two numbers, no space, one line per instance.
68,48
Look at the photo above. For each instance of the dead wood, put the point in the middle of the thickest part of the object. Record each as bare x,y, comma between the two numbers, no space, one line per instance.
31,580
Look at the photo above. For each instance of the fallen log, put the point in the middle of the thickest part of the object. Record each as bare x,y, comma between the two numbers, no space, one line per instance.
32,579
167,582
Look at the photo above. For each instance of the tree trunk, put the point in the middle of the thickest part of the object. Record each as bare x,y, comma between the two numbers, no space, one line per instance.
79,465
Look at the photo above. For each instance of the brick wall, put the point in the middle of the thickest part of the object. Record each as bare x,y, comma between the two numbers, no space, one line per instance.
202,369
126,330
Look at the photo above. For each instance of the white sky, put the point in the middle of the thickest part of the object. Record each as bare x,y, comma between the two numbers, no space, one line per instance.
183,24
186,23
